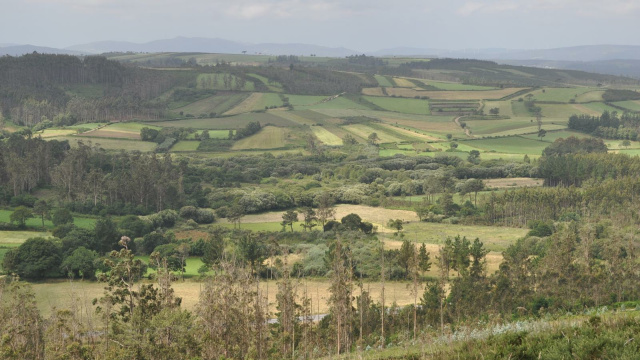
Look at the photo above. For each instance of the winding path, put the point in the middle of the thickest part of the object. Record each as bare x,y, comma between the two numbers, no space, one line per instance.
466,130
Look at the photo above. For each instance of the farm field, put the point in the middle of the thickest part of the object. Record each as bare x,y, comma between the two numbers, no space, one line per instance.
383,81
79,221
518,125
363,131
110,144
185,146
566,94
225,123
219,104
633,105
217,81
337,103
272,85
454,95
442,85
49,133
60,294
326,136
213,134
270,137
402,82
409,106
509,145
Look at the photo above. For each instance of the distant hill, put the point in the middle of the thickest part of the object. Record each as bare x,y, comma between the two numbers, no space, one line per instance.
574,53
211,45
17,50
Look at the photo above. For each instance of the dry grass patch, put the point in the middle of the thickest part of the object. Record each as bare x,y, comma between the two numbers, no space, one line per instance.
270,137
364,131
116,134
326,136
247,105
49,133
402,82
512,183
376,91
63,294
409,132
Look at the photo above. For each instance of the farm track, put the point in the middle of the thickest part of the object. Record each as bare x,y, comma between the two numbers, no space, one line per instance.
466,130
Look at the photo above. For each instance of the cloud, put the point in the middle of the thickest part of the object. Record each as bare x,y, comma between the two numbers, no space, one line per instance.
584,8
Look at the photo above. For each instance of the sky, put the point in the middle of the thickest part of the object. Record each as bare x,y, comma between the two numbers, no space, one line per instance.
362,25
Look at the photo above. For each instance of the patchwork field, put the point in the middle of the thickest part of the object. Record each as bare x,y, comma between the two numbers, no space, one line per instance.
442,85
383,81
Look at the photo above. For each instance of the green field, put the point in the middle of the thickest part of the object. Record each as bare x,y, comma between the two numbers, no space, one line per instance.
494,238
510,126
337,103
383,81
185,146
213,134
633,105
272,85
601,107
454,86
110,144
270,137
552,136
408,106
79,221
230,122
216,82
304,100
218,104
509,145
566,94
87,126
363,131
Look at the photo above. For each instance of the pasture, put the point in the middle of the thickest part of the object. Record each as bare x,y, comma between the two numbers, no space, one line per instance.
453,86
508,145
633,105
454,95
566,94
185,146
36,222
219,104
270,137
109,143
326,136
383,81
223,81
401,105
231,122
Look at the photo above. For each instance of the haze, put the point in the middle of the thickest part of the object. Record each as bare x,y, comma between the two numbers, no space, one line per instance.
364,25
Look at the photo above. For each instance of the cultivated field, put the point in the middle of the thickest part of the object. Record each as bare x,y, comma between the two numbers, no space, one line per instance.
326,136
270,137
219,104
453,95
408,106
109,143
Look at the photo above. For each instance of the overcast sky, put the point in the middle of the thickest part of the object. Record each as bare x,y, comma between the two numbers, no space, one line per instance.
363,25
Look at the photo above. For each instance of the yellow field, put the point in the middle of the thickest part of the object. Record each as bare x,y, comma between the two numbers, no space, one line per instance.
364,131
441,127
512,183
454,95
270,137
375,215
117,134
49,133
247,105
401,82
376,91
326,136
417,135
62,294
